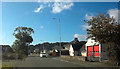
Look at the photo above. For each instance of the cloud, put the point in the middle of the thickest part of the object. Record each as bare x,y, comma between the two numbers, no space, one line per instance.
88,17
57,6
41,27
80,37
38,9
85,27
113,13
55,0
60,6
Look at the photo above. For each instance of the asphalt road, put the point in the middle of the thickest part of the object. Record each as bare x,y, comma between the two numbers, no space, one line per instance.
47,62
42,62
51,62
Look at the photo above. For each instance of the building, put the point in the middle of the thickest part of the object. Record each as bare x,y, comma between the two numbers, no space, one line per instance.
95,50
74,47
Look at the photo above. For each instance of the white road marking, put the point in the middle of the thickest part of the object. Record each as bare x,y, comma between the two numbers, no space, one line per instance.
65,61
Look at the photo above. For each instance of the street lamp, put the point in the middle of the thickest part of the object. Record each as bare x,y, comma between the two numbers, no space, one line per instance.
59,35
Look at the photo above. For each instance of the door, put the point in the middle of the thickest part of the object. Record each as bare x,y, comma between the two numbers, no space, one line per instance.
96,51
90,50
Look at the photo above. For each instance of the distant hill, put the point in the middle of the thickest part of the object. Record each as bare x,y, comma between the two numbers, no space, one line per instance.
50,46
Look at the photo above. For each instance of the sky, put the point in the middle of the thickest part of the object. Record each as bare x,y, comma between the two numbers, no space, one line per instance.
39,16
60,0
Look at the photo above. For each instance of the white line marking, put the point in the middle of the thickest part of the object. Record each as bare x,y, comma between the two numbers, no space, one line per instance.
65,61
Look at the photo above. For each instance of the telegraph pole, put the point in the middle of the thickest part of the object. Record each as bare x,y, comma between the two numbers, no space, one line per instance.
59,36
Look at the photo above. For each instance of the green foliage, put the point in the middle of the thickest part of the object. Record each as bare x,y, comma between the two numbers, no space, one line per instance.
31,48
8,56
105,29
103,26
4,66
20,47
23,39
113,52
7,49
23,34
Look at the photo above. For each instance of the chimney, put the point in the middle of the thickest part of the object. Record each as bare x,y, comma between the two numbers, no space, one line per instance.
75,39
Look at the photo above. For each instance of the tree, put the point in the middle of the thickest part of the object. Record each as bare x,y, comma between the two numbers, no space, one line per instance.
23,34
106,29
23,39
7,49
31,48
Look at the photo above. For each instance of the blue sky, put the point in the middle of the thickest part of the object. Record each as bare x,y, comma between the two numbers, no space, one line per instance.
39,17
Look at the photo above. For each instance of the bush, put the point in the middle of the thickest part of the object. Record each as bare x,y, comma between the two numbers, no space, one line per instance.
21,56
113,53
7,67
8,55
12,56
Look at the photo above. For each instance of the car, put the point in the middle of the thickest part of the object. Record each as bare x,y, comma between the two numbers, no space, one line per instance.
43,55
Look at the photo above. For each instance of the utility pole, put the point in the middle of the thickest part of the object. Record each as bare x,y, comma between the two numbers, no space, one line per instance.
59,36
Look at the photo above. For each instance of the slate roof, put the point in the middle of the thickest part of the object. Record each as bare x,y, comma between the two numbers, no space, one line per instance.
77,45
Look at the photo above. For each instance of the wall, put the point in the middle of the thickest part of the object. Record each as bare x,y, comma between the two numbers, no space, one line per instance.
74,58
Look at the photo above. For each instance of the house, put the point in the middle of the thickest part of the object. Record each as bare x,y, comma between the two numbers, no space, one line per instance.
83,51
65,49
36,51
74,47
96,50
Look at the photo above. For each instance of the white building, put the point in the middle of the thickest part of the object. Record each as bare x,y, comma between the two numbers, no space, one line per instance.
71,51
95,49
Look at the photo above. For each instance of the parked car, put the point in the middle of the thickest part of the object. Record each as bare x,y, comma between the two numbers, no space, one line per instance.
43,55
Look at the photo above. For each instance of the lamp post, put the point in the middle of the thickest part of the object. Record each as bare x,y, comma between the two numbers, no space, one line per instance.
59,35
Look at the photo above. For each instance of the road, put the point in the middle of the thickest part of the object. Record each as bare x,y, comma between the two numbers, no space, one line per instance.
42,62
51,62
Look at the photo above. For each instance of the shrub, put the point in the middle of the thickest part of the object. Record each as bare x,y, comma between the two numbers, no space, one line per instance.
7,67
